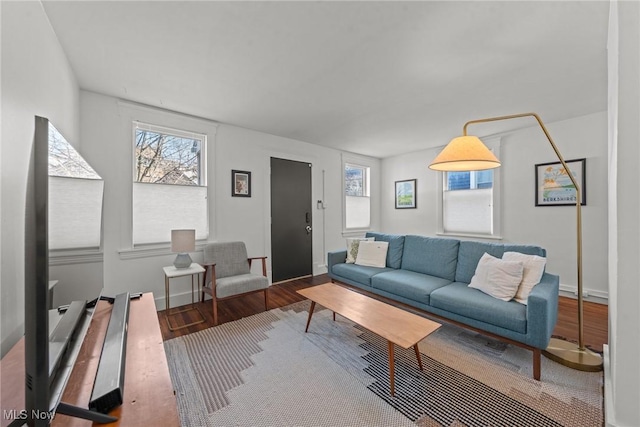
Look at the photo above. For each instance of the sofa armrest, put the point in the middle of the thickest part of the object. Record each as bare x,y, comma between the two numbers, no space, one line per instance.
335,257
542,310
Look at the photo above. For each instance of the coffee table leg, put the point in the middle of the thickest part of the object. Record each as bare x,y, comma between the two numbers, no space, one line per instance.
313,305
415,347
334,316
392,369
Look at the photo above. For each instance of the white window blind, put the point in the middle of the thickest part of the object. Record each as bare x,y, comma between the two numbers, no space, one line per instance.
468,211
74,199
358,212
160,208
75,213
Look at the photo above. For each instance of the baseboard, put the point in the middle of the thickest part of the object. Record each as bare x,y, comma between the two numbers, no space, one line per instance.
319,269
609,410
592,295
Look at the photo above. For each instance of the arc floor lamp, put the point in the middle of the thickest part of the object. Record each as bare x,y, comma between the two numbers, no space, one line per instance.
468,153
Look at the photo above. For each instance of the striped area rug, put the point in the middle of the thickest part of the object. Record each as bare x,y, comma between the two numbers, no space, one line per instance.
264,370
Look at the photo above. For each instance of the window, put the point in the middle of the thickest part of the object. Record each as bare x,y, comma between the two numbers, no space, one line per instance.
470,201
357,196
75,197
169,185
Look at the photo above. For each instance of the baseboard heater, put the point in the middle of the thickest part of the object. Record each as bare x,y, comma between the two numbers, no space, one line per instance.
108,388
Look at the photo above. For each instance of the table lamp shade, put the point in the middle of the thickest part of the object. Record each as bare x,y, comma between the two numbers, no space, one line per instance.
183,241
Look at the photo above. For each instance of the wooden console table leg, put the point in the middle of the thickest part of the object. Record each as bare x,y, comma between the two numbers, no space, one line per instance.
415,347
392,369
313,305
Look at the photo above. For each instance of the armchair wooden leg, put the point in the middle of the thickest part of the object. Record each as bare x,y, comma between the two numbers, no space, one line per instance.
266,299
215,311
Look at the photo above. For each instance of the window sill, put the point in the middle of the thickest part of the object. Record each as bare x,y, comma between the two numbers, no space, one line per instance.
75,256
355,233
147,251
471,236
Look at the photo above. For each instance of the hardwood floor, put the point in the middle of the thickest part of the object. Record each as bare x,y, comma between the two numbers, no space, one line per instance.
595,315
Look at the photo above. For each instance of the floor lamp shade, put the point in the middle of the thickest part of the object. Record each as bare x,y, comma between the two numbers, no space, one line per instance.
182,242
467,153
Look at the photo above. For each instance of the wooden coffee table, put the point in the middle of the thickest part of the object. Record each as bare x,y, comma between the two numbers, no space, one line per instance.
391,323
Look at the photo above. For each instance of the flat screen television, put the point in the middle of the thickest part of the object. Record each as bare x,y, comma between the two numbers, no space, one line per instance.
50,350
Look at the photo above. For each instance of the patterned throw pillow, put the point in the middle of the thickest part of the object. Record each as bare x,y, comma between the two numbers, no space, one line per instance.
352,248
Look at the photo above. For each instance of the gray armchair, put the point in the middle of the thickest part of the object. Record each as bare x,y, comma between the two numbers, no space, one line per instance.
228,274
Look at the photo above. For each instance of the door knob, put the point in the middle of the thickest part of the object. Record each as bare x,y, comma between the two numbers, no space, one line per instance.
308,228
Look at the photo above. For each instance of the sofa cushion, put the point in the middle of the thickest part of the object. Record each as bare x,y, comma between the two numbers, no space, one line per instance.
460,299
526,249
408,284
396,245
358,273
470,253
431,255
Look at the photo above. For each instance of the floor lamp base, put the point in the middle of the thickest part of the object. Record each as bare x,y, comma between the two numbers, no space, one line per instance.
569,354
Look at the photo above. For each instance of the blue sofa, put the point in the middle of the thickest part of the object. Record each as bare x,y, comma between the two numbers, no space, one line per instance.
432,274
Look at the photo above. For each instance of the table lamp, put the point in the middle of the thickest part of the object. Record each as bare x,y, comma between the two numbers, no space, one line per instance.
183,241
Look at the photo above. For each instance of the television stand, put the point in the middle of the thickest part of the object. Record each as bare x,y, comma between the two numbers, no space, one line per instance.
148,392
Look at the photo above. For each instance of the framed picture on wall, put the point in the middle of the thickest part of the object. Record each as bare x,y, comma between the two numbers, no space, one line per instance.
240,183
406,194
554,186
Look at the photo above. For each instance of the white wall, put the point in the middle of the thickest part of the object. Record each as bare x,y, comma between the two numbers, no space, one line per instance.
550,227
107,145
36,80
622,370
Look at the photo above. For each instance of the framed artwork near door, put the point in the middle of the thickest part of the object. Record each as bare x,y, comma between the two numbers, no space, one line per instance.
406,194
240,183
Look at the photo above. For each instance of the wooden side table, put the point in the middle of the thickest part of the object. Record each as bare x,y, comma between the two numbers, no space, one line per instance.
170,272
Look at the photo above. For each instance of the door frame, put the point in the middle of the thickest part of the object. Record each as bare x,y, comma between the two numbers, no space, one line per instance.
267,204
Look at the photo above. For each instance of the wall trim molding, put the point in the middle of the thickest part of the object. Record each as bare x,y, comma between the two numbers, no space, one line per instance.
591,295
75,257
154,251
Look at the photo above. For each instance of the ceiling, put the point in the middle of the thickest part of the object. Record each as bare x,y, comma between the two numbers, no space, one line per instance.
376,78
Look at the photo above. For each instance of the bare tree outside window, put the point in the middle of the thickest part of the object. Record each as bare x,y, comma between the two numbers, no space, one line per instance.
354,180
64,160
163,158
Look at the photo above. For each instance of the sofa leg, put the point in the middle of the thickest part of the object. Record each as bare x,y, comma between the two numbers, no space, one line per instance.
536,364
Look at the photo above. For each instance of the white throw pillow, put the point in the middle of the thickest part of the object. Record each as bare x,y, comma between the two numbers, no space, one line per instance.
533,271
372,254
497,277
352,248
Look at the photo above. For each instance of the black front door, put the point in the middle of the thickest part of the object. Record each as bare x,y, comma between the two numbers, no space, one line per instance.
291,234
